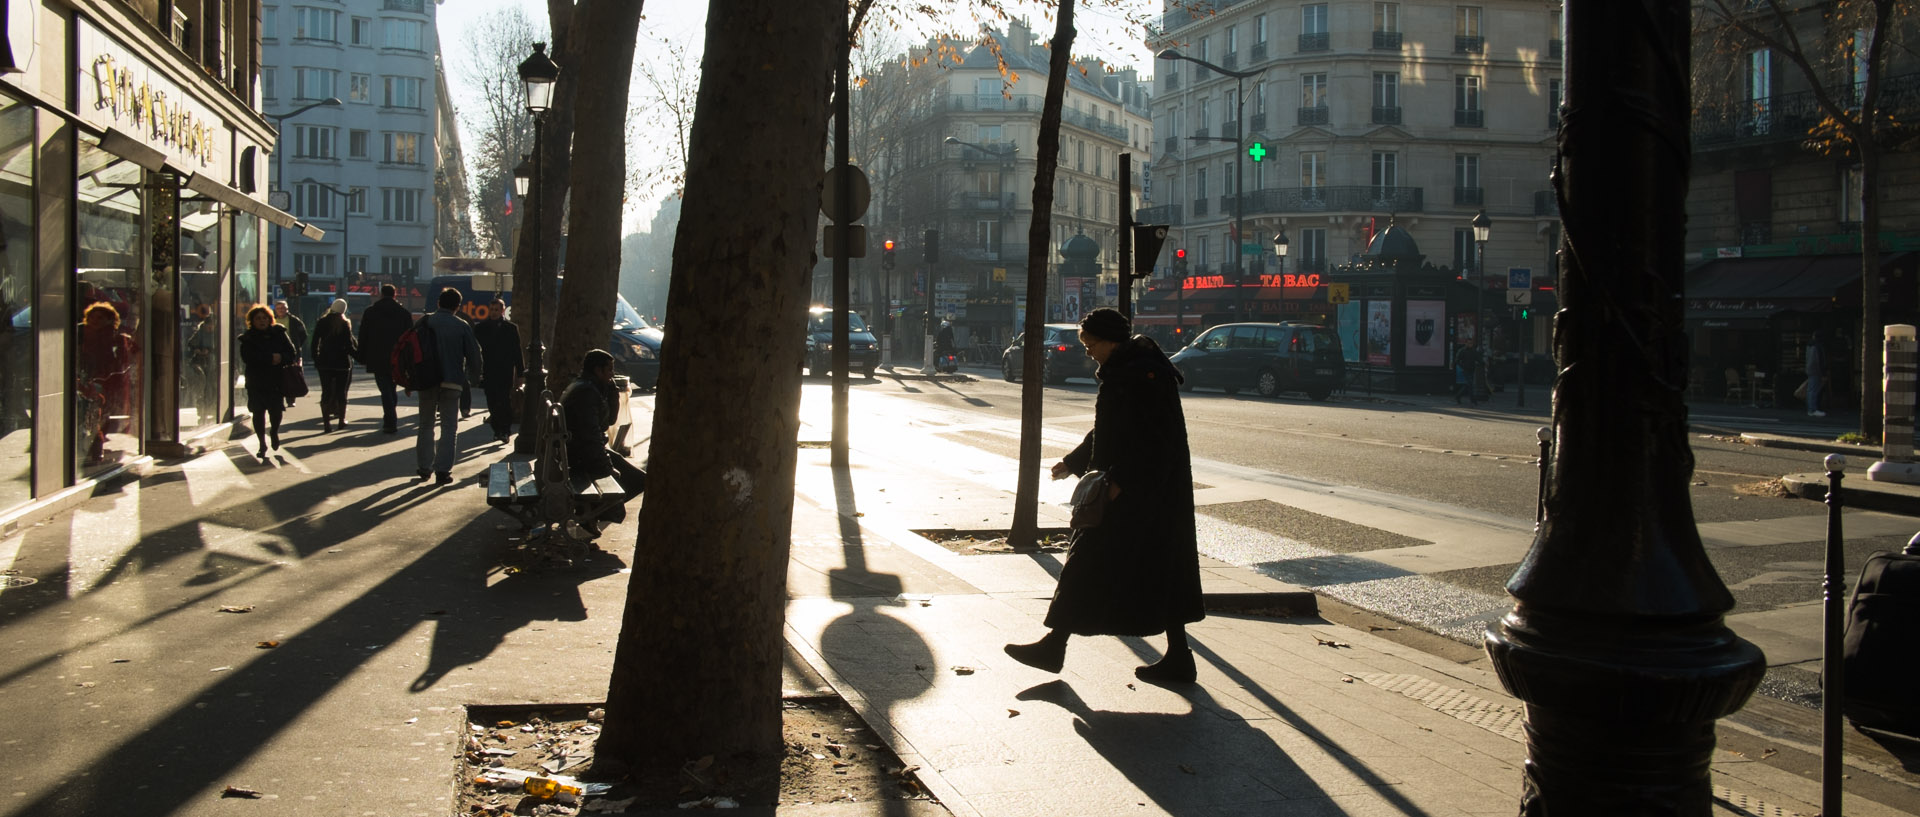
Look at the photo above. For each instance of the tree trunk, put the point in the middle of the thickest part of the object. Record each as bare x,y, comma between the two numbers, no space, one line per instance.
607,33
697,669
1871,342
1026,502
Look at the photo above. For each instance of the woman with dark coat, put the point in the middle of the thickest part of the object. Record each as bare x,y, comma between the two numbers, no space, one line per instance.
334,351
1138,572
265,348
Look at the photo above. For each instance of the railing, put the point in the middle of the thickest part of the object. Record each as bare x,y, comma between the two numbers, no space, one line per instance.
1553,116
415,6
1202,133
1469,45
1344,199
1259,122
1172,79
1383,115
1544,204
1258,54
1556,48
1473,118
1093,123
1386,40
1173,144
1469,195
1230,128
1314,116
996,152
1314,42
1788,117
1164,214
1199,207
983,201
1200,72
1232,60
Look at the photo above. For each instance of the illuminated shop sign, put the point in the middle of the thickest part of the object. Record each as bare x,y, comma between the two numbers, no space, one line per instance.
1288,281
119,90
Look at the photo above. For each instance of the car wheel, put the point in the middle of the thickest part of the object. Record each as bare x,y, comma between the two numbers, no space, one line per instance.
1006,370
868,373
1321,392
1267,384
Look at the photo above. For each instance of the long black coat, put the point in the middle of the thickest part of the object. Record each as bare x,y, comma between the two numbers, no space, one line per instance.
333,344
257,348
1139,571
381,324
500,348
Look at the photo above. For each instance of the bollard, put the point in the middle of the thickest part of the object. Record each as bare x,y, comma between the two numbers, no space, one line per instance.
1832,683
1896,434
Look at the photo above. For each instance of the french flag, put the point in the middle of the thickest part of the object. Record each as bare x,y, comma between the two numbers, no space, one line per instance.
509,210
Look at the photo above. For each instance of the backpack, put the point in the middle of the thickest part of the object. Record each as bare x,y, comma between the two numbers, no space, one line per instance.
416,358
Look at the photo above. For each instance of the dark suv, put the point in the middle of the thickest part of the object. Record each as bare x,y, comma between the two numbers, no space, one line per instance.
863,352
1267,357
1063,355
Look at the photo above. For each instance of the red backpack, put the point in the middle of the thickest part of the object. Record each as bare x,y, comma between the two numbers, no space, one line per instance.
415,362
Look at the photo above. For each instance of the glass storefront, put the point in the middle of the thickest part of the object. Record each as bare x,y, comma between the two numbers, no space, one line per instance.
201,326
109,288
246,295
18,352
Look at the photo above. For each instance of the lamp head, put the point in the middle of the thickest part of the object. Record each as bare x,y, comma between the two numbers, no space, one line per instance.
523,175
1170,54
1280,245
1482,226
538,73
953,140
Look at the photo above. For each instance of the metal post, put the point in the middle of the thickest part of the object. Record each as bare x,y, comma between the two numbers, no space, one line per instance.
1520,368
1617,641
1126,233
1239,190
533,409
1832,680
842,297
1896,435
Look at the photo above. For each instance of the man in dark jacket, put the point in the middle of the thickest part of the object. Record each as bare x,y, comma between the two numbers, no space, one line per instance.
500,345
382,323
296,328
1137,571
588,405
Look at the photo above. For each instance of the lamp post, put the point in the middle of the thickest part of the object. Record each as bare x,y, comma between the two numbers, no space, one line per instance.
1240,149
1482,228
280,174
1280,250
538,73
345,222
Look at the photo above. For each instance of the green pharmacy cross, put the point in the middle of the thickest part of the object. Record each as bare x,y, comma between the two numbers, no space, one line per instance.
1257,150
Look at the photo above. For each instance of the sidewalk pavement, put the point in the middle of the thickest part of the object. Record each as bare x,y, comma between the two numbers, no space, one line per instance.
129,691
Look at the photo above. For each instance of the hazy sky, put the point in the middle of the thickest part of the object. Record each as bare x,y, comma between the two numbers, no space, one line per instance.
1102,33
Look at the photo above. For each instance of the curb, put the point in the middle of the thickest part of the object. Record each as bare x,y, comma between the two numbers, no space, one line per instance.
1805,444
1280,603
1857,492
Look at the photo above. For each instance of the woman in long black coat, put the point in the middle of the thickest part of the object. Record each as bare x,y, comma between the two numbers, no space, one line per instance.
1138,572
265,348
334,351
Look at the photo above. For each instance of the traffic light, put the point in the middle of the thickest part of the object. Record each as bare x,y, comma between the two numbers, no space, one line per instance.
300,284
1180,260
930,247
886,254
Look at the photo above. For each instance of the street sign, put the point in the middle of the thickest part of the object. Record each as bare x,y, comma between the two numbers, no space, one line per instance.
1519,278
1251,249
830,198
1147,240
1519,297
999,273
1337,293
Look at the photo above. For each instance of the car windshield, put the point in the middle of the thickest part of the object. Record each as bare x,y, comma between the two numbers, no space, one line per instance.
626,317
823,322
1057,337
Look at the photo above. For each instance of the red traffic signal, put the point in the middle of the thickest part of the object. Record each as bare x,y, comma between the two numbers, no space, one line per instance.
1180,254
888,245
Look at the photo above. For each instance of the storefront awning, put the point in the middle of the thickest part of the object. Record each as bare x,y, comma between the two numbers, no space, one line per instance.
221,192
1795,277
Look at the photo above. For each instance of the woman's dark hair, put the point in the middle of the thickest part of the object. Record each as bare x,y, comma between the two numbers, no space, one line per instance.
260,309
449,298
593,360
1106,323
101,306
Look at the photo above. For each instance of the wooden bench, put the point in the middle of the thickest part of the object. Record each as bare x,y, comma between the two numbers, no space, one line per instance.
541,493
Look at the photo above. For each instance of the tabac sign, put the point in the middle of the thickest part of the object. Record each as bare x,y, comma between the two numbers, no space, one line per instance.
119,90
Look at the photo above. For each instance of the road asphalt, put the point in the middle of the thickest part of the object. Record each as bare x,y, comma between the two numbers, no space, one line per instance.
132,691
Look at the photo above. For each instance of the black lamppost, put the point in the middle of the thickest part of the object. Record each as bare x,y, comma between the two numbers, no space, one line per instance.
1240,149
346,211
1280,251
280,175
1482,229
538,73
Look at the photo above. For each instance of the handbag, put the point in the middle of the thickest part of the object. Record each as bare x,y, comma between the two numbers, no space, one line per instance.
293,380
1090,500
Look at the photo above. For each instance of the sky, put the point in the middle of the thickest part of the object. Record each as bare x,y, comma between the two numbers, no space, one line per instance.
1102,33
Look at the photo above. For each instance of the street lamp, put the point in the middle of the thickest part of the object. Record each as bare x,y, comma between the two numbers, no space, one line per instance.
1280,250
280,174
1240,149
538,74
1482,228
346,274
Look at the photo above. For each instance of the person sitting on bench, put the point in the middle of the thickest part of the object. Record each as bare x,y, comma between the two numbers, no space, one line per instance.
589,408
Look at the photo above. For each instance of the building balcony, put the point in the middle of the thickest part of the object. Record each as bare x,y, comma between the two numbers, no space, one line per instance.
1199,207
1789,117
1164,214
1173,145
997,152
1259,122
1230,129
1201,72
1231,60
1470,196
1383,115
1386,41
1203,133
1315,42
1556,49
415,6
983,201
1365,199
1088,121
1257,54
1316,115
1171,80
1544,203
1472,118
1469,45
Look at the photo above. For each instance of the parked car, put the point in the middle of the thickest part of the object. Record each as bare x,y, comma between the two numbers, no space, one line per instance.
863,351
1063,355
635,346
1268,358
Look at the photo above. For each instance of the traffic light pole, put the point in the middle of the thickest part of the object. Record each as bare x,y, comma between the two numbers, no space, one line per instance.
1126,234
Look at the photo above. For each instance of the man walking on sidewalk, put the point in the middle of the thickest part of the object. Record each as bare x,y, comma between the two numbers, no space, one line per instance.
459,354
500,345
381,323
1816,372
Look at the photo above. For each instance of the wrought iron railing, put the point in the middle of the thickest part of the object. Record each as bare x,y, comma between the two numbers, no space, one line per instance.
1474,196
1315,42
1231,60
1258,54
1469,45
1386,40
1341,199
1317,115
1163,214
1544,203
1259,122
1386,115
1789,117
1556,48
1471,118
1199,207
1173,144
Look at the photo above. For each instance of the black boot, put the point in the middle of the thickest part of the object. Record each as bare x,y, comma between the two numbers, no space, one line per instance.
1173,668
1048,653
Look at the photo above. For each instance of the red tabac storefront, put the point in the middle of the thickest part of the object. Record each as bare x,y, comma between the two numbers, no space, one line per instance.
1208,300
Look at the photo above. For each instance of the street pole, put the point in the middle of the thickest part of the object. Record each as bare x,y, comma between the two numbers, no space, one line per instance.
533,404
1617,641
842,297
1239,190
1126,233
280,175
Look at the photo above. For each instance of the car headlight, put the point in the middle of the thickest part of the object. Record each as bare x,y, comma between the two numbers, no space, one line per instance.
641,351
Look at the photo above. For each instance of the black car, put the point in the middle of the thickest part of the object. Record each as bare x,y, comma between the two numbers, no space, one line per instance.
1063,354
1268,358
863,351
635,346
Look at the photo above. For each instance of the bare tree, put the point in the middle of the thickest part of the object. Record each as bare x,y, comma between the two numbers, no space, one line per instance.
496,116
669,85
1846,77
697,669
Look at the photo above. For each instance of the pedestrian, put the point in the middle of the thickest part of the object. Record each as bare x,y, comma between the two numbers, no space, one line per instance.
1816,371
590,407
1462,371
334,351
943,346
1137,572
107,365
459,355
296,330
266,349
382,323
500,345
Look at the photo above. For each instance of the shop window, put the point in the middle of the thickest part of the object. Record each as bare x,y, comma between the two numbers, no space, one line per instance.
19,351
109,288
201,326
